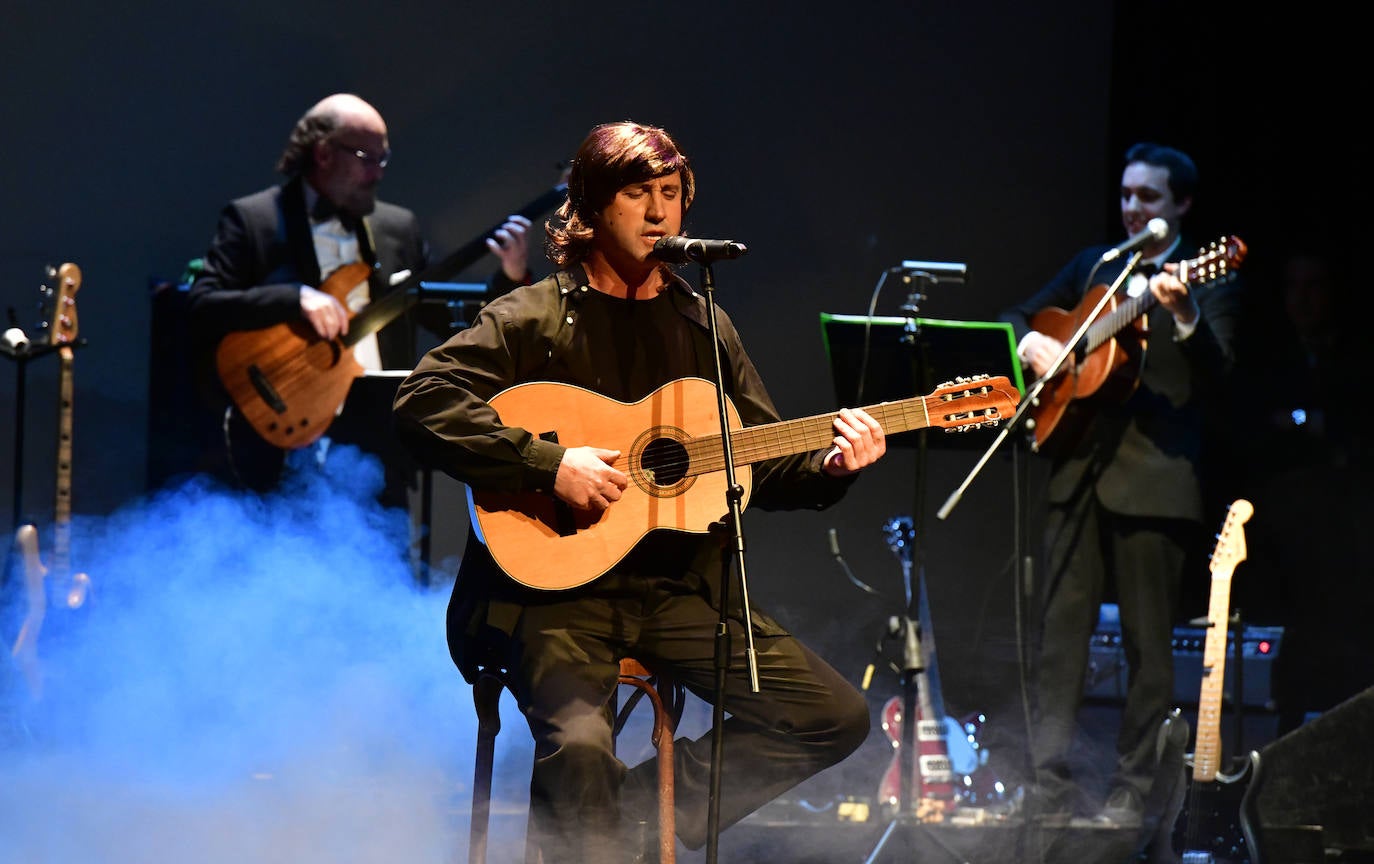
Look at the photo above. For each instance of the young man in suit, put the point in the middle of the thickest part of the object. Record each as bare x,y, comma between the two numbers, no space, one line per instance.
1125,510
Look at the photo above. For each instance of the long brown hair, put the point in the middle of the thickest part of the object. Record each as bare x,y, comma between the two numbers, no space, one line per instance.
612,156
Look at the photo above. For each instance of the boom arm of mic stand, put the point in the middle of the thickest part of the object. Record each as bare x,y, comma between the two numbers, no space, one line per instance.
1034,392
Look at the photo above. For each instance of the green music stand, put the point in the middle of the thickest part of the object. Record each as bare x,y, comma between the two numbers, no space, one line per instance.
873,360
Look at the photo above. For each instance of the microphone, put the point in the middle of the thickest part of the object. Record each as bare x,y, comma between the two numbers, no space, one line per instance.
680,250
1155,229
936,271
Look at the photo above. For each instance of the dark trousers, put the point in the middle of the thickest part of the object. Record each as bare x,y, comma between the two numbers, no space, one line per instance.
1090,549
565,659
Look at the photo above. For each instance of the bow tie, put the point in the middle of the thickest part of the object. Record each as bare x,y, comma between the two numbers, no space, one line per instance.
324,210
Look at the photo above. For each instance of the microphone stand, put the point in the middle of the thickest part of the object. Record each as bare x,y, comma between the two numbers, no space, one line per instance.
1033,394
735,540
908,628
1023,568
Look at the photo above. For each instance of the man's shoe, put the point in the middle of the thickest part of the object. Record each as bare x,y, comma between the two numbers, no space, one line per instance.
1123,809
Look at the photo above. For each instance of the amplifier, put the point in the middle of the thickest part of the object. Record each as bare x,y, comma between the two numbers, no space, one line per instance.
1106,678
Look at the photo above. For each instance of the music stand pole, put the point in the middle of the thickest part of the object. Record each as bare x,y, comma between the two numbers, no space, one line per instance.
908,627
734,494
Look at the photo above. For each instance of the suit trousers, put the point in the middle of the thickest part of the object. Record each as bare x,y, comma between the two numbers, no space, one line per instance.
1093,553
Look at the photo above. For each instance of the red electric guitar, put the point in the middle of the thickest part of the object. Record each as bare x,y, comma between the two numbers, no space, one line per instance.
932,790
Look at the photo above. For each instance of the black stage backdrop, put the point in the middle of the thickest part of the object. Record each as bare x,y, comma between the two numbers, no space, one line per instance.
835,142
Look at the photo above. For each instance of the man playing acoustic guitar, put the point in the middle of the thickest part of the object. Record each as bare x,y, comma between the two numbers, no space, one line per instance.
1122,423
615,323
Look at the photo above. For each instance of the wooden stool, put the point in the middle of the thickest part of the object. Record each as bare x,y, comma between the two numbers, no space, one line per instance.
667,698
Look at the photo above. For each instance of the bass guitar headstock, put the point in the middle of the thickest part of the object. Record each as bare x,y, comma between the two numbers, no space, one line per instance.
59,303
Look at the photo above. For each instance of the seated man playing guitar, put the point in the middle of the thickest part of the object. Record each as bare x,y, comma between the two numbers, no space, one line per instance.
1122,422
270,269
619,327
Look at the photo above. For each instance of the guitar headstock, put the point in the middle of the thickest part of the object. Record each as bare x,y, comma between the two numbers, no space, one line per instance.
59,301
970,403
1230,548
1217,261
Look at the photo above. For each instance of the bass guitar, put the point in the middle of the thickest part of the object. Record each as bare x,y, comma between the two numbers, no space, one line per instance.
1212,826
671,448
61,323
289,384
1106,363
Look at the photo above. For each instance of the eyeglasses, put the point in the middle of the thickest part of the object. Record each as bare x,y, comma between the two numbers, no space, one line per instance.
365,157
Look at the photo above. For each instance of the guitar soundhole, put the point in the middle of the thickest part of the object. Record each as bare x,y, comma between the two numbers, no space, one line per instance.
661,469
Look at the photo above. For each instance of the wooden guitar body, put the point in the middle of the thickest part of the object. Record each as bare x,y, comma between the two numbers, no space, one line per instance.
286,381
1109,373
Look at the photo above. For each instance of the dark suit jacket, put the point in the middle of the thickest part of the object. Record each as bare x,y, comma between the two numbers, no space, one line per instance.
262,253
1142,456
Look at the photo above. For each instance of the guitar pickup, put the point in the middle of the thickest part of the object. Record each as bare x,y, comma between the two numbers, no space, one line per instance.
265,389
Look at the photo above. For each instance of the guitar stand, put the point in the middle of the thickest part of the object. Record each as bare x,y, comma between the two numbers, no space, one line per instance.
19,349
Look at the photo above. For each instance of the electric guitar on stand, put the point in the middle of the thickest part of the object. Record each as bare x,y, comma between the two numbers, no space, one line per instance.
1212,826
949,767
60,292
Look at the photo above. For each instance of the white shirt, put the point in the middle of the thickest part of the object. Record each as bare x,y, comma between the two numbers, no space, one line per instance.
336,246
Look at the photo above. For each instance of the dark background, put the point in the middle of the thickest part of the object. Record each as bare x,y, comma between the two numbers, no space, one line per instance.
835,142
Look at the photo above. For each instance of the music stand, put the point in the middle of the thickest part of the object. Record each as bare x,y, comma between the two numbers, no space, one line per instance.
954,348
880,359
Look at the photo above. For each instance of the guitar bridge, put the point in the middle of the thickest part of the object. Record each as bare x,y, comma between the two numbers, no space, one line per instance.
265,389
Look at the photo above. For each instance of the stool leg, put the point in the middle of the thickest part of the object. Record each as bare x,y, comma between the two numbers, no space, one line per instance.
662,738
667,818
486,696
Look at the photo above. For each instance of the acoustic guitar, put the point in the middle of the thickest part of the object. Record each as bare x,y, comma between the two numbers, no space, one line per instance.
289,384
1106,363
671,448
60,291
1212,826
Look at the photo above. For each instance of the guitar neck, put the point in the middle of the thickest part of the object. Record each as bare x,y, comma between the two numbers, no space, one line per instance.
1105,328
61,550
1207,750
771,440
395,302
1219,263
1229,551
